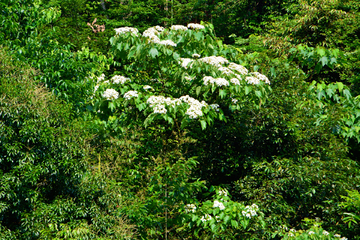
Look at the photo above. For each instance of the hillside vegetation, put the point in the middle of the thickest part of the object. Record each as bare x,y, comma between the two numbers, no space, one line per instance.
195,119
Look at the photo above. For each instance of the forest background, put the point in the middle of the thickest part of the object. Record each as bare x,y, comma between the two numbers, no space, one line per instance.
271,155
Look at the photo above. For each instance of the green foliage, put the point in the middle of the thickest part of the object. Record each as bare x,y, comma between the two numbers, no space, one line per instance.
46,191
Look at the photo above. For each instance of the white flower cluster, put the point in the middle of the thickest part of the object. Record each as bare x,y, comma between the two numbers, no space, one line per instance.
241,69
101,78
261,77
147,87
120,79
235,81
218,81
153,32
214,60
185,62
160,109
195,55
214,106
252,80
226,70
195,26
167,43
234,100
206,217
223,193
124,30
130,94
218,204
250,211
158,103
110,94
194,111
325,233
178,27
190,208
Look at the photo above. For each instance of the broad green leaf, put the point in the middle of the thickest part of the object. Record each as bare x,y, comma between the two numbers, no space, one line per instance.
153,52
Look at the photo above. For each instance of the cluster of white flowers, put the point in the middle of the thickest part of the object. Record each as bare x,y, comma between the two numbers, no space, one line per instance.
167,43
214,60
188,78
110,94
130,94
160,109
250,211
101,78
218,204
226,71
153,32
195,55
234,100
195,26
124,30
206,217
190,208
261,77
311,232
120,79
223,193
235,81
218,81
185,62
214,106
252,80
178,27
241,69
147,87
194,111
325,233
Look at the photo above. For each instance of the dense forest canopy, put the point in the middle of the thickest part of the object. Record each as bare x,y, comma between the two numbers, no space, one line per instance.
171,119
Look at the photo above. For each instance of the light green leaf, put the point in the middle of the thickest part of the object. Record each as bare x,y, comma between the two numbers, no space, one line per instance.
153,52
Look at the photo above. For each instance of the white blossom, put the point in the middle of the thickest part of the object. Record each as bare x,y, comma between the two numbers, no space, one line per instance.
159,28
194,111
96,88
214,60
206,217
130,94
160,109
215,107
190,208
124,30
195,55
337,236
218,81
167,43
185,62
147,87
218,204
252,80
311,232
110,94
291,235
178,27
101,78
261,77
250,211
120,79
223,193
325,233
195,26
239,68
235,81
225,70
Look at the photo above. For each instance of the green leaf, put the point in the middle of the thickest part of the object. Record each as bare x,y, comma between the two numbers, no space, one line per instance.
324,61
320,51
203,124
247,90
153,52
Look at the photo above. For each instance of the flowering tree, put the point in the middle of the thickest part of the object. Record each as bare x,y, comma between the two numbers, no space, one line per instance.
175,80
179,75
